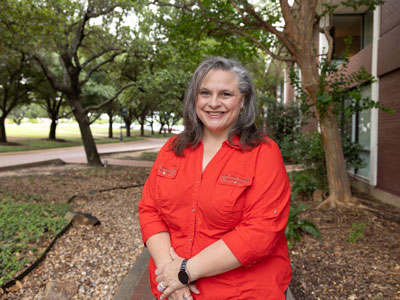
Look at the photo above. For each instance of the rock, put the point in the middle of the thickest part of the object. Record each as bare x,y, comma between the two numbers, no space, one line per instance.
60,290
16,287
82,218
79,199
318,195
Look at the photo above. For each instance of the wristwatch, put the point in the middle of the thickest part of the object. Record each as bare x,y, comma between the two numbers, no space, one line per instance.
183,274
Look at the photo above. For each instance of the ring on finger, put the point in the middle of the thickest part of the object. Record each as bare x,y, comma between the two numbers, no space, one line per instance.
161,287
187,297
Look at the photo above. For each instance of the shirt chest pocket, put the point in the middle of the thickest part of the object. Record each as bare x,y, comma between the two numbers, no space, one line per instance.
230,192
166,182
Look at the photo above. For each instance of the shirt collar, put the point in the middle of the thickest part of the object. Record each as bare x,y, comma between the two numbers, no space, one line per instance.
236,142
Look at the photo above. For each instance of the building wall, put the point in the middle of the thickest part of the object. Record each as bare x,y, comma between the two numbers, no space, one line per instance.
389,95
390,16
389,134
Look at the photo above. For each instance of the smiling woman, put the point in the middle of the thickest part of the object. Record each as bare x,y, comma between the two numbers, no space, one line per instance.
215,206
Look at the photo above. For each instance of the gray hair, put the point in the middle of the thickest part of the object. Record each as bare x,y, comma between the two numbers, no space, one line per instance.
244,126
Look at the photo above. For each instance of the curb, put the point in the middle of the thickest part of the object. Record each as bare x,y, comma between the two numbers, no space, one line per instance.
130,282
56,161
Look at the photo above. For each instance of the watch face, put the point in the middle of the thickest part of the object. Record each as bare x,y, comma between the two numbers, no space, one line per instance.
183,277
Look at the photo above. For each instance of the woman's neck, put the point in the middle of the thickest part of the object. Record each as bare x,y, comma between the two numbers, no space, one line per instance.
214,139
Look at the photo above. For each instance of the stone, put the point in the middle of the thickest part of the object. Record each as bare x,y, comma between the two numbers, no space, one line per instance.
16,287
60,290
82,218
318,195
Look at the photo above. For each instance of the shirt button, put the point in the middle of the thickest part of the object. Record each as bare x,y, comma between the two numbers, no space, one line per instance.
254,262
163,173
275,211
197,181
190,239
193,210
235,182
249,266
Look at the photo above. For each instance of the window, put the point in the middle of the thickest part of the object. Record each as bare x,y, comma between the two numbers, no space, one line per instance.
361,134
358,26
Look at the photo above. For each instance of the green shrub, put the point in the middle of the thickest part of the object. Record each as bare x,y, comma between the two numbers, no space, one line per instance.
33,121
296,225
356,233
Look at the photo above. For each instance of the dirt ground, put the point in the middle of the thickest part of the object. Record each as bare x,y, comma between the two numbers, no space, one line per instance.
326,268
94,260
332,267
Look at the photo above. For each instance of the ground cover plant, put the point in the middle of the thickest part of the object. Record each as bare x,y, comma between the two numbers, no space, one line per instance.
25,229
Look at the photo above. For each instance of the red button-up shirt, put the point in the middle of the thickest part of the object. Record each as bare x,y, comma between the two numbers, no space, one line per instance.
241,197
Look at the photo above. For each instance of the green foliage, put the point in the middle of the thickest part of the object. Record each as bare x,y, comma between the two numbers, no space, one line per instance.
296,225
308,151
22,224
356,233
282,120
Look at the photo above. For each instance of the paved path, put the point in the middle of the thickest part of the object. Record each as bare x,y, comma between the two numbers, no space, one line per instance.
76,154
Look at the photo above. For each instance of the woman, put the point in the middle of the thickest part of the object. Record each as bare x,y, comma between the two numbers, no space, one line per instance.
216,203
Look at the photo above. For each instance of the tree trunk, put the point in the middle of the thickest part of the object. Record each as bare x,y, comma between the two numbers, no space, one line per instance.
141,129
110,127
161,128
53,127
92,156
3,137
128,128
338,178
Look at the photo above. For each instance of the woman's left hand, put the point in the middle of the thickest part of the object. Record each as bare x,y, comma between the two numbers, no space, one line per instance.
168,275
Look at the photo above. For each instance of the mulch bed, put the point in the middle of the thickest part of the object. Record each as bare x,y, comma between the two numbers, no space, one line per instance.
332,267
326,268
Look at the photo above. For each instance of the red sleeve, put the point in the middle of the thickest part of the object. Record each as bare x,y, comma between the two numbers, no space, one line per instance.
150,218
262,230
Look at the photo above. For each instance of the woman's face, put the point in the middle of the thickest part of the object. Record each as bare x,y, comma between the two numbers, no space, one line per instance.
219,102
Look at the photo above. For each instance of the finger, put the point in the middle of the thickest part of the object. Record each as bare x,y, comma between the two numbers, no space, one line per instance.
173,253
157,272
168,291
194,289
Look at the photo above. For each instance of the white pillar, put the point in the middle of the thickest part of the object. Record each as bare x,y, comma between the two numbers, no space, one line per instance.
373,160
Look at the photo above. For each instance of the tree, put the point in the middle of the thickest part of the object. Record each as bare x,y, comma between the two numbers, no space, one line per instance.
291,42
14,85
71,31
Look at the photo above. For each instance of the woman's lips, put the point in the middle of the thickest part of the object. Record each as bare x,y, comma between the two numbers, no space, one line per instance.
215,114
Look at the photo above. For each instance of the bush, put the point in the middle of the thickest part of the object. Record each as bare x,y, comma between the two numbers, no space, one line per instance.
296,225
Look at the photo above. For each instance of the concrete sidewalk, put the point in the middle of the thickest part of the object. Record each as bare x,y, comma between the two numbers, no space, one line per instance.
76,154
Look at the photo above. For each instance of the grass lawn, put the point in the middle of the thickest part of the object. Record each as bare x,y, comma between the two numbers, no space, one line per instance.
34,136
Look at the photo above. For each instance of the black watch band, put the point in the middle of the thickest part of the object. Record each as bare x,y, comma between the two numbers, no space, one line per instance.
183,275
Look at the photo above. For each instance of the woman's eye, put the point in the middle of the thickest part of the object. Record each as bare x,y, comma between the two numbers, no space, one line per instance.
204,93
226,95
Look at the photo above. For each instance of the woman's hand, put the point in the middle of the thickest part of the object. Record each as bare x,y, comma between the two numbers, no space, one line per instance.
168,275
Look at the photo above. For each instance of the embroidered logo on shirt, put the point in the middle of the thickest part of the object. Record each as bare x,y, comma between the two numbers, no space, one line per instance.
235,180
166,172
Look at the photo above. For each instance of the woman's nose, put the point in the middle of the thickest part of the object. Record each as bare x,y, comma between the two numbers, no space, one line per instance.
214,101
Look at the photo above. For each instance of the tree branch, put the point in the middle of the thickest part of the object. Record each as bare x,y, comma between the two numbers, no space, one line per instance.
90,72
49,74
99,106
95,56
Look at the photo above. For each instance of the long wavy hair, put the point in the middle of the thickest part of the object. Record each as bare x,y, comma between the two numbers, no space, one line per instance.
244,127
